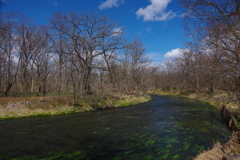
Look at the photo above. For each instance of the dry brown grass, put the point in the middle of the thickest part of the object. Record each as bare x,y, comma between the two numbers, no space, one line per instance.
30,106
54,105
219,151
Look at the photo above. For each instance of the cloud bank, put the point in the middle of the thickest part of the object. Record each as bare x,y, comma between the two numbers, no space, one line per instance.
156,11
174,53
110,4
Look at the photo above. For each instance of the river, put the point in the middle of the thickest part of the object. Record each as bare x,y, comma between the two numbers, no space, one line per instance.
166,127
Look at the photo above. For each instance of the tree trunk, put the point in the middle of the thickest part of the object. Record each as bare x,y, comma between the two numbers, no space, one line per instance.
7,89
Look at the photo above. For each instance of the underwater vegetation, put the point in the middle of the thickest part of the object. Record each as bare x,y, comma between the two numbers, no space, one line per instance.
165,128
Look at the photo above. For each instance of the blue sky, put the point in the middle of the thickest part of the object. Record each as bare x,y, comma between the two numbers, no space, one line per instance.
158,23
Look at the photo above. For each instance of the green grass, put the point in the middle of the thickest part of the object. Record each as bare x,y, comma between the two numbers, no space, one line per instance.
126,104
40,114
238,121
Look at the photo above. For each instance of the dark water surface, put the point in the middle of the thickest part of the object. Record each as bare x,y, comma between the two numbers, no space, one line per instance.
165,128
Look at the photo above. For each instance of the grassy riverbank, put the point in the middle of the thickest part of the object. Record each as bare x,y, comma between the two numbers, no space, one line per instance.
217,99
56,105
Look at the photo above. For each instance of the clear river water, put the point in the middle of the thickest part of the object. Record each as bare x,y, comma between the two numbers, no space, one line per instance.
165,128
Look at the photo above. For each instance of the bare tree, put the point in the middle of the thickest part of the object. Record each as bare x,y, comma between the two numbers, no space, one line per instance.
89,36
40,59
60,44
8,57
80,53
137,63
26,40
215,25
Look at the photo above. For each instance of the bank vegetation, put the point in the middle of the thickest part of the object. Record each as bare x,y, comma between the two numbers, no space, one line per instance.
87,55
19,107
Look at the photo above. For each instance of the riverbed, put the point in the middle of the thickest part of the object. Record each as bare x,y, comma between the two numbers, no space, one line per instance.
167,127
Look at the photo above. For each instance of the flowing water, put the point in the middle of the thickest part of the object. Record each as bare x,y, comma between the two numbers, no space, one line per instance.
166,127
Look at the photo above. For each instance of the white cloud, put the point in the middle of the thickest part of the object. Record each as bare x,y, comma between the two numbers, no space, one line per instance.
156,11
174,53
110,4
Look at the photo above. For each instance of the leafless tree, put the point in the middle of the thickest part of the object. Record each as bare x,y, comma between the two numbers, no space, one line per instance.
40,60
215,25
88,37
80,53
137,63
26,40
8,57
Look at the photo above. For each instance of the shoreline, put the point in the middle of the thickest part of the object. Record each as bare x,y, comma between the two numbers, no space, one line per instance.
13,108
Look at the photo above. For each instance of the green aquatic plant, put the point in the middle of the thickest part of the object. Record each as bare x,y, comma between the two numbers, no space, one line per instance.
129,152
150,142
169,139
207,123
165,156
186,145
130,117
73,155
198,148
176,157
189,138
169,146
148,157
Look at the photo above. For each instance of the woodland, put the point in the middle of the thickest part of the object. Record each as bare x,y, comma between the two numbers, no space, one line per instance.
86,54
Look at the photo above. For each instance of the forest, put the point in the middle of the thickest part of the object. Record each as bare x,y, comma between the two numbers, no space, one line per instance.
89,54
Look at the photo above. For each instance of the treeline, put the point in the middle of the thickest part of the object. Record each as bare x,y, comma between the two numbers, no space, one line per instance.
212,58
88,54
75,53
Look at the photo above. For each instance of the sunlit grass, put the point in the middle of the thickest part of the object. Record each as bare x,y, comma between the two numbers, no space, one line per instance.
128,100
61,105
